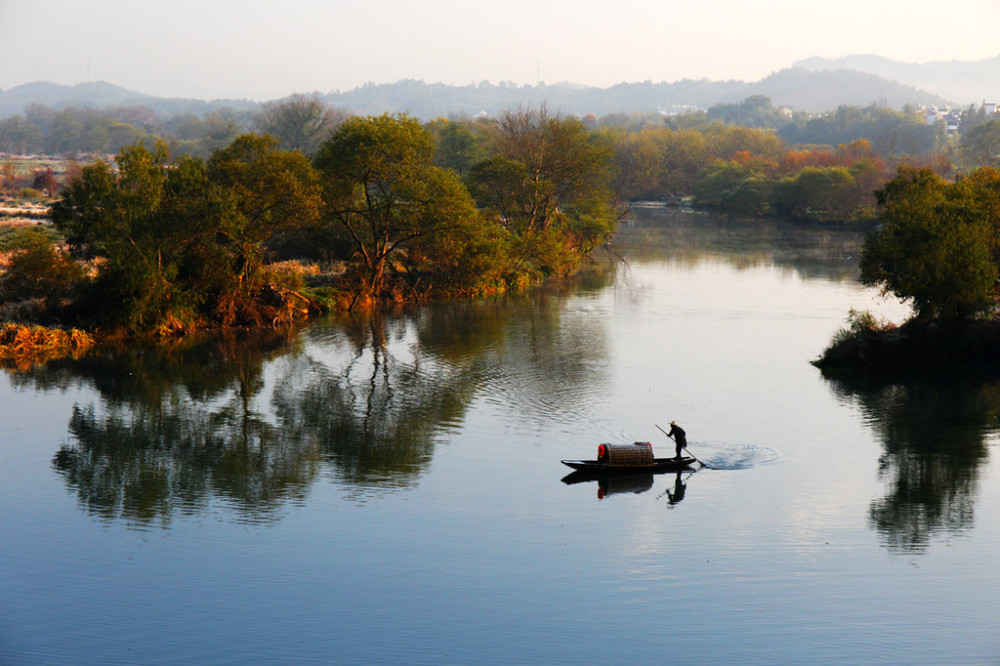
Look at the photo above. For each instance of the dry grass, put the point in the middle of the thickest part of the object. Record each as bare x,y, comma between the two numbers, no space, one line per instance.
25,346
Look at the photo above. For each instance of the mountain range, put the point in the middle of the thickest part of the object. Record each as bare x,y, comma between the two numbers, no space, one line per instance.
964,82
813,85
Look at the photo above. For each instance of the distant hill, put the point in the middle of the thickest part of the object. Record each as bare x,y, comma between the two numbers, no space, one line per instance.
805,90
798,89
101,94
430,100
801,89
965,82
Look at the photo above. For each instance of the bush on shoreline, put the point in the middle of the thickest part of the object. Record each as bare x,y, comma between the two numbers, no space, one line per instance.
872,350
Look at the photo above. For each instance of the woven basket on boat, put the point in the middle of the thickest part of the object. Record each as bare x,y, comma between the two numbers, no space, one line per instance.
637,454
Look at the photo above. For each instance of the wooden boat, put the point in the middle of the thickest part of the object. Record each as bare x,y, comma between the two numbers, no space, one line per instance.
658,465
634,458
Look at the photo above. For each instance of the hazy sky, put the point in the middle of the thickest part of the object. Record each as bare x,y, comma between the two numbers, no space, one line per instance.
264,50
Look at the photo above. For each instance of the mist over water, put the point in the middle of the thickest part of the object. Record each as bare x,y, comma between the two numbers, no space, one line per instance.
378,489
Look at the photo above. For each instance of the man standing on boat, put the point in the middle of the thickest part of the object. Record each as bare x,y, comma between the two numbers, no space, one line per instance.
679,437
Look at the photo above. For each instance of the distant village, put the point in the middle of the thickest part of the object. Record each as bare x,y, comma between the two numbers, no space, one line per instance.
953,117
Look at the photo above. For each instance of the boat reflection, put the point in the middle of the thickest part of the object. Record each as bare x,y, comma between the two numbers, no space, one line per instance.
633,483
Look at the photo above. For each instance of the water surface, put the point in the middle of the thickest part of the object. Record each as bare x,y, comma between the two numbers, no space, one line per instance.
388,489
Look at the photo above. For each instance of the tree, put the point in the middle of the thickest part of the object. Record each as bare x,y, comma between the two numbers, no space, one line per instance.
639,158
814,193
382,188
754,111
180,243
549,183
934,247
142,222
458,144
727,142
8,177
20,136
44,179
38,269
981,144
298,122
200,136
269,189
734,188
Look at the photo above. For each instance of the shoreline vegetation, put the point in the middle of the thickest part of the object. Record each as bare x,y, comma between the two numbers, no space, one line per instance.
871,352
317,211
937,247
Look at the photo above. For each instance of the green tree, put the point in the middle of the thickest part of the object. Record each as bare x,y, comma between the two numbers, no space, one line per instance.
402,214
754,111
141,222
549,183
298,122
814,193
893,134
180,243
734,188
981,144
20,136
270,190
200,136
934,247
38,269
459,144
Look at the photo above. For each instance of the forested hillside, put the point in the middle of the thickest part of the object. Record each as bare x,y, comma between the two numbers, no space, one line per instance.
797,89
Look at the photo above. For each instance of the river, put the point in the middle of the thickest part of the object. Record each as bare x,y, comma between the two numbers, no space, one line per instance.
389,489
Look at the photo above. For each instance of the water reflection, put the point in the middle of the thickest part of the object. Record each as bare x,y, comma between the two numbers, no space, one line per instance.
634,484
676,494
934,440
253,420
177,427
813,252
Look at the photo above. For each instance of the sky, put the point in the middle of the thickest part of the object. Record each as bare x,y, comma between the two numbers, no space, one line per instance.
264,50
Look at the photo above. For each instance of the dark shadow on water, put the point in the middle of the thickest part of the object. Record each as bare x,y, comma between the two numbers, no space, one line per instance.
635,483
933,437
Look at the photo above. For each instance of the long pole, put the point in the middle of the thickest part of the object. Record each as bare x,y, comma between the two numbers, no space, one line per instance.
685,446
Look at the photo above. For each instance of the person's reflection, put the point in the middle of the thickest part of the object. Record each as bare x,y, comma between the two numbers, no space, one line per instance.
675,496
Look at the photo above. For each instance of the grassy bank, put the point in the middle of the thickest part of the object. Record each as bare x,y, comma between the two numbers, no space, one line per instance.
22,346
869,350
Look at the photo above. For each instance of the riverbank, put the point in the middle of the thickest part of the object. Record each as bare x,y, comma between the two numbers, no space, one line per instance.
916,350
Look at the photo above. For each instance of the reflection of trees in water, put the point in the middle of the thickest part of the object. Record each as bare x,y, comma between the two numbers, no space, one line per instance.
178,427
689,236
143,466
551,366
253,420
377,390
933,439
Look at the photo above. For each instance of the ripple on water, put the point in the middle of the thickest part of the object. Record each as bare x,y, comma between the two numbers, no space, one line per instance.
735,456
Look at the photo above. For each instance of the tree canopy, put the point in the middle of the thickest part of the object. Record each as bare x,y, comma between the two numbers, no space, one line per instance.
401,213
177,245
937,245
548,182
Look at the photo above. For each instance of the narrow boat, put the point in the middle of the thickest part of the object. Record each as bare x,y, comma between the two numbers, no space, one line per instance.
657,465
628,459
